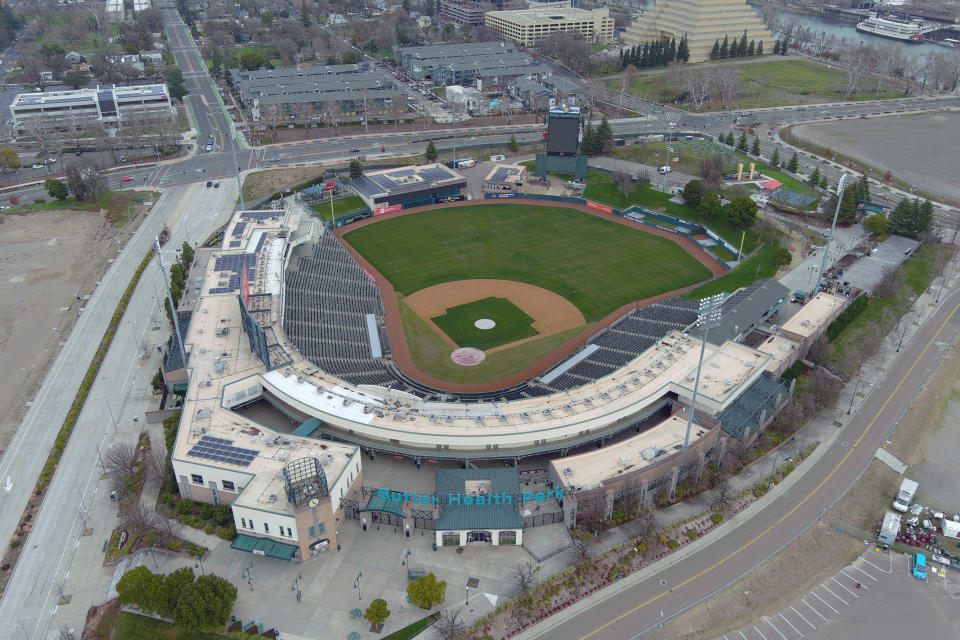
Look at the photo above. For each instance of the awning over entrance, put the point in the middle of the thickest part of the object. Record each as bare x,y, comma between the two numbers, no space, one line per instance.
263,547
388,505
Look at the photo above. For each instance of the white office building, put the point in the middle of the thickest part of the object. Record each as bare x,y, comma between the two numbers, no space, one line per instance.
104,103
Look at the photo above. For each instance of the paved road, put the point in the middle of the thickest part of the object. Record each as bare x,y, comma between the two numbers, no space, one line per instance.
727,554
120,392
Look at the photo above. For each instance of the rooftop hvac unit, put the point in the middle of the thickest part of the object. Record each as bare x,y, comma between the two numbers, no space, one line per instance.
622,460
273,498
649,453
197,431
568,471
327,459
283,455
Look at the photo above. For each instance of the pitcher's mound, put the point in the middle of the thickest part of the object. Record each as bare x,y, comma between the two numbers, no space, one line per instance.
467,356
484,324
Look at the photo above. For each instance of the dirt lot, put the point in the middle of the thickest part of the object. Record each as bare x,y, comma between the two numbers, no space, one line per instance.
261,184
47,260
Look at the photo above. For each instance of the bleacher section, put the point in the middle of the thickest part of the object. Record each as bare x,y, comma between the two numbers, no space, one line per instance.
742,418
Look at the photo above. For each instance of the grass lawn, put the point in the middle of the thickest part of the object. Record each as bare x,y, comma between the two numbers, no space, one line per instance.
133,627
431,353
414,629
648,197
773,82
512,324
340,206
760,265
596,264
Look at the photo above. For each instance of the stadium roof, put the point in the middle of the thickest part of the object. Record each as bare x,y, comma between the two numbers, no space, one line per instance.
400,179
746,308
458,517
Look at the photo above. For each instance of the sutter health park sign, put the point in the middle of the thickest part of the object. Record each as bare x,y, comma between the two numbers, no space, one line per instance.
470,500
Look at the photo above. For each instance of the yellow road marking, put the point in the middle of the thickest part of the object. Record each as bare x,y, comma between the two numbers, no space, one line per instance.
799,504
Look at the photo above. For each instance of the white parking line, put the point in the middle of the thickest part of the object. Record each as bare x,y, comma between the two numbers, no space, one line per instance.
834,595
814,610
879,568
791,625
863,586
801,617
741,635
866,574
761,635
767,620
845,589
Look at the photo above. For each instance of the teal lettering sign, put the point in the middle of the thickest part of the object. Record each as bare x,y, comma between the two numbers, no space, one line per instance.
470,500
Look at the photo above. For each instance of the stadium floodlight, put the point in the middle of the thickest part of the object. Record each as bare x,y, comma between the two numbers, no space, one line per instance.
833,226
709,315
233,145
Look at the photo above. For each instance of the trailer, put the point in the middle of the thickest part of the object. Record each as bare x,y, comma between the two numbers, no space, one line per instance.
889,529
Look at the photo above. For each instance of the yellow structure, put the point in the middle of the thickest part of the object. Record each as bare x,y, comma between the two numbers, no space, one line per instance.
527,26
702,21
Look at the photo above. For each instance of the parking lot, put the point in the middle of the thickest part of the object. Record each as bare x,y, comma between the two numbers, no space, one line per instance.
889,604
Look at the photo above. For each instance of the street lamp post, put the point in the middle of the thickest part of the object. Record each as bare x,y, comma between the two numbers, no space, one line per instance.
356,585
773,469
855,388
709,317
233,147
199,565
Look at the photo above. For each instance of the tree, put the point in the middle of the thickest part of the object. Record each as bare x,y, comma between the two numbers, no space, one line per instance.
431,152
8,159
782,257
760,48
174,584
582,551
356,168
513,146
524,577
624,185
755,149
794,163
876,225
75,79
693,192
205,605
427,591
450,624
730,139
141,587
863,188
752,48
604,136
710,205
724,47
775,158
776,47
175,84
683,50
815,176
742,212
715,52
377,613
742,143
56,188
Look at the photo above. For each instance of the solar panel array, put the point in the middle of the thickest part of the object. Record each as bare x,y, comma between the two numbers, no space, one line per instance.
235,243
222,450
234,263
503,173
259,216
238,229
263,238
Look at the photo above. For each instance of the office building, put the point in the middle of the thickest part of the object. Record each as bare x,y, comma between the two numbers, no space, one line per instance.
105,103
486,65
704,22
527,26
462,11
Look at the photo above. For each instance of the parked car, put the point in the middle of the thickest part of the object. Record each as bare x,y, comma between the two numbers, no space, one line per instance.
216,185
665,169
38,166
209,183
123,158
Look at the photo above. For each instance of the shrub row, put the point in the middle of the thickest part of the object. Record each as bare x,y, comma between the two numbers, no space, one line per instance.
856,308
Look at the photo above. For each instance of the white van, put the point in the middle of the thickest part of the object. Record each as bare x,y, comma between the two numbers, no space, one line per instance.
466,163
500,158
665,169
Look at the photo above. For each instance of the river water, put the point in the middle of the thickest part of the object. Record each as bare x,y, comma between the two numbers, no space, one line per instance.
850,36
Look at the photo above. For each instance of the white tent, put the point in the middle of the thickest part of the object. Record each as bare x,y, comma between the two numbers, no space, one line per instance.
951,529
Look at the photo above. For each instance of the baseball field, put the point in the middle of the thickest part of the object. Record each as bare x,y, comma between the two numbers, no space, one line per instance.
533,276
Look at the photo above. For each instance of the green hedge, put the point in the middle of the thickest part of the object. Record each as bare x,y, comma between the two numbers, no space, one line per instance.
67,428
856,308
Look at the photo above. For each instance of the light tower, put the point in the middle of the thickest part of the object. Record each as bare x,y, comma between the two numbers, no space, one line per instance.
709,317
826,250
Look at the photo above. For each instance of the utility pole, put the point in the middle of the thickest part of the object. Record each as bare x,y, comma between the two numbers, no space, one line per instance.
709,317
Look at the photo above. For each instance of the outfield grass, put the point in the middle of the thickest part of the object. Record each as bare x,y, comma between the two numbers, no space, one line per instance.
133,627
340,206
596,264
770,83
762,264
431,354
512,323
648,197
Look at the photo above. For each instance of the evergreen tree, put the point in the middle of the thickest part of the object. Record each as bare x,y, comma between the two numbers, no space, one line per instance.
730,140
776,47
925,219
824,181
683,50
794,163
634,57
742,143
604,136
742,49
848,208
431,152
589,144
621,64
901,219
752,48
863,188
815,176
645,56
755,149
775,159
725,47
760,48
715,52
672,52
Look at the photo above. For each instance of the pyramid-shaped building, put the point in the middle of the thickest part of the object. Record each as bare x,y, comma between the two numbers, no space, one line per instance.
702,21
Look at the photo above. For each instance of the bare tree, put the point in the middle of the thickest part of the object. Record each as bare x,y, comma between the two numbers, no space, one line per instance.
524,577
622,180
120,459
695,81
726,84
857,61
135,517
711,170
582,551
166,525
94,178
450,624
722,494
736,454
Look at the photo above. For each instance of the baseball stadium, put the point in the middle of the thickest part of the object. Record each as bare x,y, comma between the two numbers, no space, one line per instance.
468,333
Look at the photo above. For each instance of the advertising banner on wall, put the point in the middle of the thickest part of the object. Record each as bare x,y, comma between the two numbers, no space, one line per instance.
390,209
599,207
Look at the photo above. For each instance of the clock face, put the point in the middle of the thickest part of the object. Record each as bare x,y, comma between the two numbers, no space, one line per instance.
314,502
